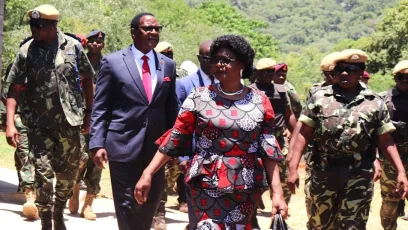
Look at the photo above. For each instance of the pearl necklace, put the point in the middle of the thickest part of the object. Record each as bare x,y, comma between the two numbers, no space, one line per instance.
230,94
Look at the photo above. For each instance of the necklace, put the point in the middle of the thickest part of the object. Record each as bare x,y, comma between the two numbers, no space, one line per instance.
230,94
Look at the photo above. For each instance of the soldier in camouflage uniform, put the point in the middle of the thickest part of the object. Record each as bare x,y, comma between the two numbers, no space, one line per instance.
284,116
51,107
345,121
280,78
88,171
396,100
23,160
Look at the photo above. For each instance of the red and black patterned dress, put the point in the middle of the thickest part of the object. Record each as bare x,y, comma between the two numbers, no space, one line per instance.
226,175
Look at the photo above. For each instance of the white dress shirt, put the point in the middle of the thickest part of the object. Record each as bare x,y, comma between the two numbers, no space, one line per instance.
139,63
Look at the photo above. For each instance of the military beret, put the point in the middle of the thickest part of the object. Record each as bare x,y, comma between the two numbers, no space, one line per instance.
366,75
352,56
96,33
401,67
328,62
45,11
265,63
163,47
281,66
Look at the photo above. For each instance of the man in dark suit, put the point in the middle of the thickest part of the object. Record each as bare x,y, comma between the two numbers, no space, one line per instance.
135,103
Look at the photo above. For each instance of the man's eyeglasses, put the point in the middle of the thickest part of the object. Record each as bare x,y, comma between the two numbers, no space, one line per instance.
223,61
151,28
269,71
98,40
401,77
349,69
38,24
203,58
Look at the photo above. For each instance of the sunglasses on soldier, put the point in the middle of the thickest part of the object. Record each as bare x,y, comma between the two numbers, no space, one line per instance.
38,23
97,40
401,77
348,69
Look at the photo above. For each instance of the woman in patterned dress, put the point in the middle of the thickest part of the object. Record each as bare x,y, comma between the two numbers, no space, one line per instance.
235,154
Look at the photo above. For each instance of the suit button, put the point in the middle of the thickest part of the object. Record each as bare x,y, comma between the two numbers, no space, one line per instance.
144,124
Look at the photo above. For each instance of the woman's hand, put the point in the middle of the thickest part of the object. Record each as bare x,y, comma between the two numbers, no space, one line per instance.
142,188
279,204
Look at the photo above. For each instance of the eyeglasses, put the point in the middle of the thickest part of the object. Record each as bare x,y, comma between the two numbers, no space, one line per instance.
269,71
349,69
97,40
203,58
401,77
151,28
223,61
38,24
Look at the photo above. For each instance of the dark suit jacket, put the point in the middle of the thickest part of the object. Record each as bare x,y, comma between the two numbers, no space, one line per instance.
123,121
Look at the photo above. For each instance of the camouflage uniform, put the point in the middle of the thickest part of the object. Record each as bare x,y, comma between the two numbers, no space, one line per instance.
396,103
295,103
341,185
88,171
308,154
51,107
280,102
23,159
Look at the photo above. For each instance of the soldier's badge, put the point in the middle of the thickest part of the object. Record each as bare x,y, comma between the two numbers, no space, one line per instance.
35,14
355,57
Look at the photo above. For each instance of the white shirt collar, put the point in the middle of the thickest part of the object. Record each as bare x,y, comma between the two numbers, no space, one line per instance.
138,55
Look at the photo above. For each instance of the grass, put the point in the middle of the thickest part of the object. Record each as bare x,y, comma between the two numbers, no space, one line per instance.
297,210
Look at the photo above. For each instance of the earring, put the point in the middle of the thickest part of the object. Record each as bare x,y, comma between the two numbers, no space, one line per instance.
240,72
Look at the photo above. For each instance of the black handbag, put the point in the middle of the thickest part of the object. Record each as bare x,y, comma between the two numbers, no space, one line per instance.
278,223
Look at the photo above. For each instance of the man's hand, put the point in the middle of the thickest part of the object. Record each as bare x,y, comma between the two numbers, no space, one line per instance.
184,165
142,188
377,170
293,181
101,156
86,123
12,135
402,185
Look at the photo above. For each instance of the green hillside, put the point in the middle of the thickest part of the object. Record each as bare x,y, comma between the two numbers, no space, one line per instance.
321,23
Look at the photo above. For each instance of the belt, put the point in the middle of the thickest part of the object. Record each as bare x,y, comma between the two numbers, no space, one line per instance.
343,161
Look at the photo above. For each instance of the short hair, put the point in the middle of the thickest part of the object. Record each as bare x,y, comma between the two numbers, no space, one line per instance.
136,20
240,47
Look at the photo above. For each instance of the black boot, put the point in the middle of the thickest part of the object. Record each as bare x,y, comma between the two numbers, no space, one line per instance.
58,217
46,220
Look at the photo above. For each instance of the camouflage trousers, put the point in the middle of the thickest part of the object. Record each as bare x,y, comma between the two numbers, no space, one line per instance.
23,158
55,152
308,170
88,171
174,181
390,198
341,198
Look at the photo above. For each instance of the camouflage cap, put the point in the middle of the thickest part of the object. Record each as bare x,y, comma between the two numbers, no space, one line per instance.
96,34
265,63
401,67
328,62
352,56
45,11
163,47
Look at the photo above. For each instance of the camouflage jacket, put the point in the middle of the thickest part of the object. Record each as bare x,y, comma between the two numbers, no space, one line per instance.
295,103
396,102
342,127
52,94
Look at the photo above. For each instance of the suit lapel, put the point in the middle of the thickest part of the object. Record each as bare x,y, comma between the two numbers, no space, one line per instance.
129,60
159,74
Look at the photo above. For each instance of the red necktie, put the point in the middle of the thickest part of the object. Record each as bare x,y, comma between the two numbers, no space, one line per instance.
147,78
